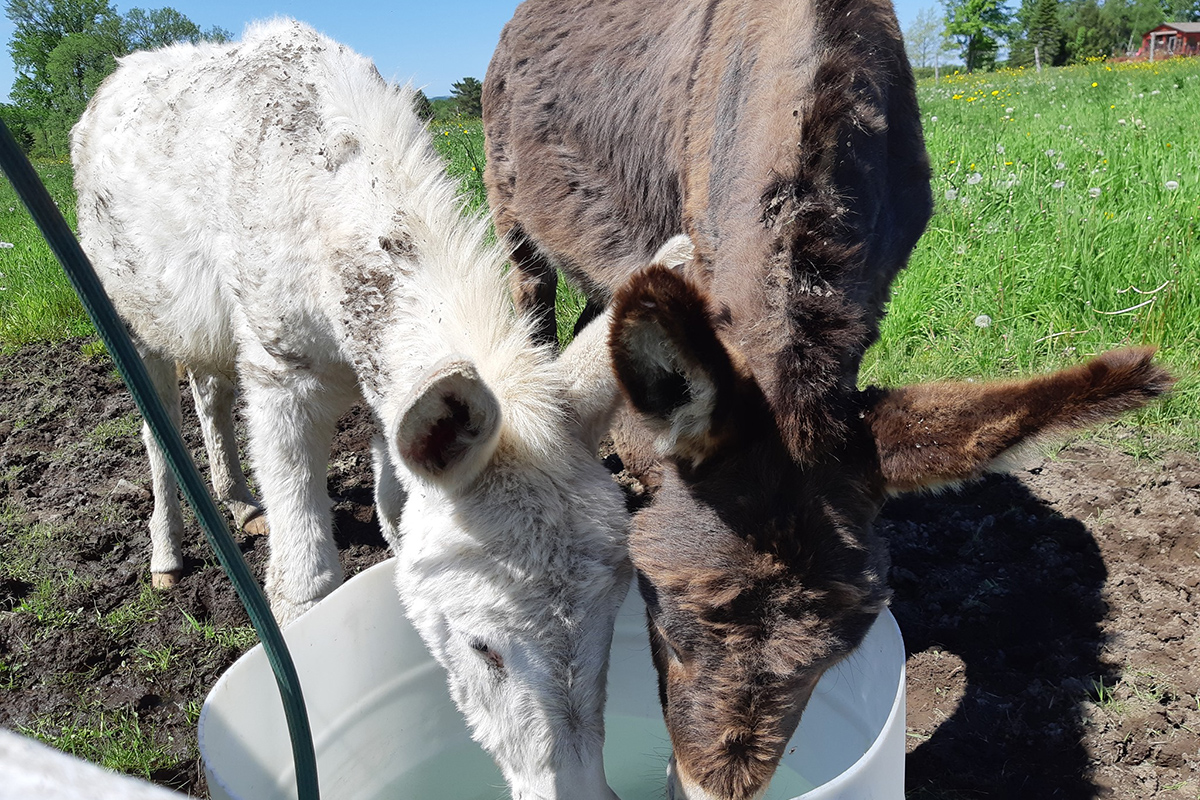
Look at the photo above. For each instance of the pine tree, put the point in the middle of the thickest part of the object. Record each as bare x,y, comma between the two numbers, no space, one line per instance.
1045,32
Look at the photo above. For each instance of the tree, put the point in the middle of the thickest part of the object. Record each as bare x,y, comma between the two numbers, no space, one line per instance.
1181,11
62,49
145,30
468,97
1045,32
76,66
422,106
978,25
925,41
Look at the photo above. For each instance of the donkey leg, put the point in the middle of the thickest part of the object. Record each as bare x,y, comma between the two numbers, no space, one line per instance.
292,418
534,283
166,523
214,394
389,494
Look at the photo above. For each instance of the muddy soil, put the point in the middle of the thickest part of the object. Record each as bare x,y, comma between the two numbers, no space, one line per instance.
1050,615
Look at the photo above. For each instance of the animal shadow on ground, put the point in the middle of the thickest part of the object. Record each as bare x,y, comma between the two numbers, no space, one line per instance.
1000,603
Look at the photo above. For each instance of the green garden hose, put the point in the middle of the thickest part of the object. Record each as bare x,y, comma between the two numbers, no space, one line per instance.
112,331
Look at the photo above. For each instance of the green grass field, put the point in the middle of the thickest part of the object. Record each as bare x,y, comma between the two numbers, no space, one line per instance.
1066,224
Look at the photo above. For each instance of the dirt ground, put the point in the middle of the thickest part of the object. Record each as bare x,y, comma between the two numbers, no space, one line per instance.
1050,615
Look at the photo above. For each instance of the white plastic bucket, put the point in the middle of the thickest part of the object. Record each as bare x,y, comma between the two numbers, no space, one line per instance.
384,726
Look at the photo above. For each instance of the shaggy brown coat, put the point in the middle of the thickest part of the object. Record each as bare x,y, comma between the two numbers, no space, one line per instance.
783,137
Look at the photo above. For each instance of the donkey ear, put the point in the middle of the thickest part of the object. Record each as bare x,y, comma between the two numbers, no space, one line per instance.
669,361
931,435
449,427
675,252
592,393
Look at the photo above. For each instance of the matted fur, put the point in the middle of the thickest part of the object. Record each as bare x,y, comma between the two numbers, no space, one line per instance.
783,138
271,209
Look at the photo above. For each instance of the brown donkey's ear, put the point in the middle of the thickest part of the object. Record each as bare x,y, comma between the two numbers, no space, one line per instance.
931,435
669,361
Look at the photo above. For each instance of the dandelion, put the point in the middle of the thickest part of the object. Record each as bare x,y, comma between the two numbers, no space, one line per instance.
1000,149
1094,84
951,194
1037,115
974,179
1094,191
1050,153
1154,92
933,119
982,321
1060,165
1121,122
1058,184
1008,110
1171,186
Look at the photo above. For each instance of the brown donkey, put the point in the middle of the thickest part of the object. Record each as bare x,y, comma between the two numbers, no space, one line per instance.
783,137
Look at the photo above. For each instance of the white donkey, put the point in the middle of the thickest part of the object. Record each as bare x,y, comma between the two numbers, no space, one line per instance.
272,209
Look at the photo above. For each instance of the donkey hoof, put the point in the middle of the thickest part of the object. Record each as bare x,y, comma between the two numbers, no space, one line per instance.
164,580
256,526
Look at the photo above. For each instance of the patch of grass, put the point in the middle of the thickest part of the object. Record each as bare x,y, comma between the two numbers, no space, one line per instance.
155,661
114,739
460,143
94,350
138,613
239,637
9,670
191,711
109,431
1102,695
46,602
36,300
1065,225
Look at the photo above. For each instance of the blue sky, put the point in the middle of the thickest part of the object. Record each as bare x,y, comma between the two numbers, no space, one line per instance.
432,44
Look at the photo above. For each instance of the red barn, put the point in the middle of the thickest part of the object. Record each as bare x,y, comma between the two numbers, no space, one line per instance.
1171,39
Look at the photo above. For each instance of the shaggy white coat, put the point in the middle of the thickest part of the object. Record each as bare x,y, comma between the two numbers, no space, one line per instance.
272,210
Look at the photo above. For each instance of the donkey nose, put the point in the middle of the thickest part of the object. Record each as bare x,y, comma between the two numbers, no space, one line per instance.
680,786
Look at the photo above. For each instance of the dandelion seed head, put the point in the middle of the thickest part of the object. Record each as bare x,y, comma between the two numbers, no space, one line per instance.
974,179
1094,191
983,321
1171,186
1058,184
951,194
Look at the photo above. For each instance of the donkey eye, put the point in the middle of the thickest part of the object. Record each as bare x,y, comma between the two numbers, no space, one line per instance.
494,659
671,648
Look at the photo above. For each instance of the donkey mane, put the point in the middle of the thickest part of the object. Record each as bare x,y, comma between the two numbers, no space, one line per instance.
457,282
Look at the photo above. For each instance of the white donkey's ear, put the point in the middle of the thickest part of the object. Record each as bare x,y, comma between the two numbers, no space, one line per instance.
450,423
592,392
675,252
